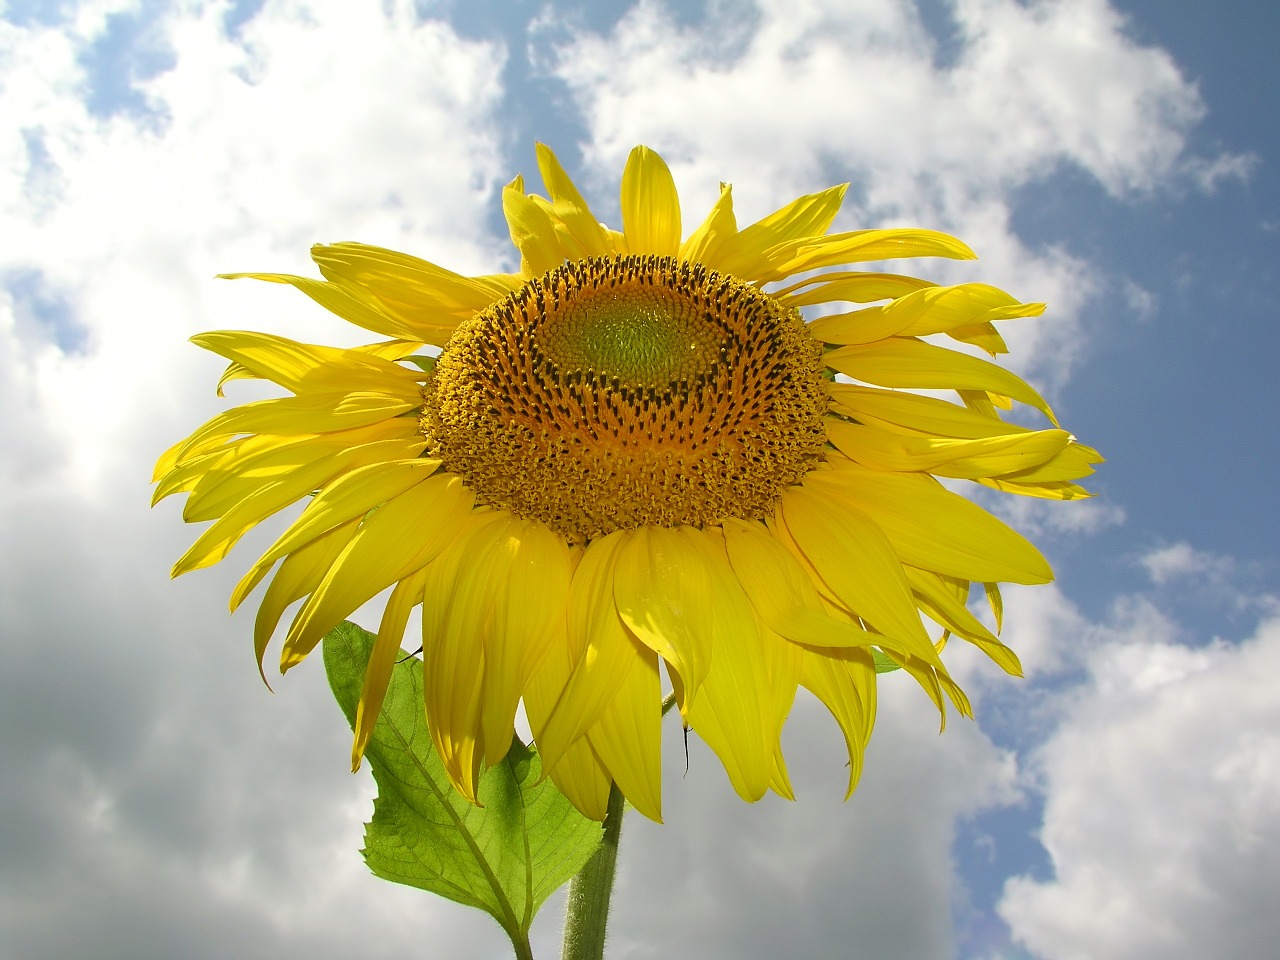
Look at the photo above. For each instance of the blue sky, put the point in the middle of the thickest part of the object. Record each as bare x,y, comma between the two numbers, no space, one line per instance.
1116,160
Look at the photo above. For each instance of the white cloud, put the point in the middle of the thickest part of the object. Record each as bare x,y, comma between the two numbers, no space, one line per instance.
1142,303
319,121
859,84
723,879
1162,804
1208,578
1063,80
189,806
157,796
1168,563
159,801
811,91
1208,173
1036,518
1044,627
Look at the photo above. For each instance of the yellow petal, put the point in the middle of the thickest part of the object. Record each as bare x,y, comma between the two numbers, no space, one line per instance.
363,311
291,416
704,244
261,461
935,681
349,497
212,442
167,462
904,362
406,595
782,591
404,534
859,326
845,682
665,595
938,603
751,684
650,205
996,602
863,245
946,457
958,698
932,528
216,542
982,335
389,349
848,285
749,253
600,655
736,712
923,312
529,590
184,477
418,293
780,782
577,772
307,367
234,371
532,232
628,736
542,691
570,209
298,576
857,561
984,403
454,612
895,410
581,777
453,663
1071,462
1051,490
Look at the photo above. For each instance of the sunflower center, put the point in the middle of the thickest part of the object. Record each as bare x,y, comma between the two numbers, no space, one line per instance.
617,392
644,336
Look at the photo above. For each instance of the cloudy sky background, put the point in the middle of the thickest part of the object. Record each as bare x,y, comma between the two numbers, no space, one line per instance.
1116,160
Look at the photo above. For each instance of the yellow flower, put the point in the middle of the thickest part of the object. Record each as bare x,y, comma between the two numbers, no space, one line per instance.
634,454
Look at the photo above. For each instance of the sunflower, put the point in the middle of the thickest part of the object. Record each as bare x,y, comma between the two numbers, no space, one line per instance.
634,456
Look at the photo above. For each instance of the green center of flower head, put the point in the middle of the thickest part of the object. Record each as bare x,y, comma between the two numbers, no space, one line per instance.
641,335
617,392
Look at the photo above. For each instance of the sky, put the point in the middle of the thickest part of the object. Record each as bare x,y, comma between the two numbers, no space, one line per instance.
1114,159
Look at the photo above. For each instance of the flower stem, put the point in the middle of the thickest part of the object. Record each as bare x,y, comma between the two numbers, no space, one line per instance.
587,911
524,950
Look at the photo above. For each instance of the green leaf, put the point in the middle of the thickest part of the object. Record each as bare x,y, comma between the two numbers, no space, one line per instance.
884,663
422,362
505,857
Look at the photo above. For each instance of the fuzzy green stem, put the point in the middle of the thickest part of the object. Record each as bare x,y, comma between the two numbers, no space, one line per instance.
587,911
520,941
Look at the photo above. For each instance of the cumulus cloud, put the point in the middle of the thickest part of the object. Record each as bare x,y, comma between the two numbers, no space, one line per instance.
938,130
1149,761
1162,792
1022,88
159,802
1036,518
1168,563
321,121
1207,578
1142,303
818,877
162,801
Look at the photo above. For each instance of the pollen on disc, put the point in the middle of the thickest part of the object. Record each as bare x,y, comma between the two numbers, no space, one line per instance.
617,392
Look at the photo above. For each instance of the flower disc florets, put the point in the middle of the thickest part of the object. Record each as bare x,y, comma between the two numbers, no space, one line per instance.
612,393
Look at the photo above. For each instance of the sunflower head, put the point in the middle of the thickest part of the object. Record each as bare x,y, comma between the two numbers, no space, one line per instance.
634,465
613,393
